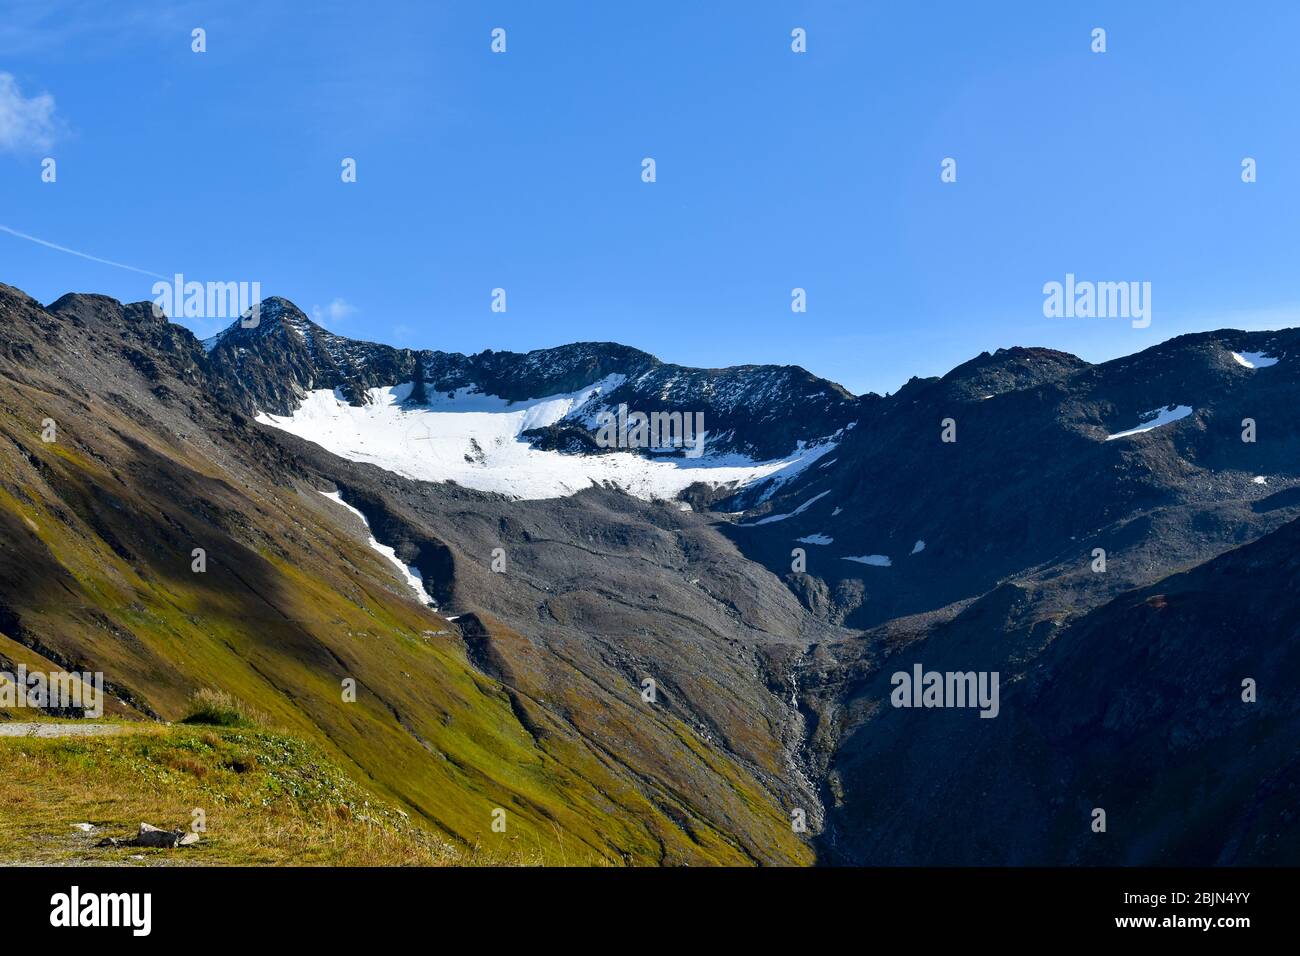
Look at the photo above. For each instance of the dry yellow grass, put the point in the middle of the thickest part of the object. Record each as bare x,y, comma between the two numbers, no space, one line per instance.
267,800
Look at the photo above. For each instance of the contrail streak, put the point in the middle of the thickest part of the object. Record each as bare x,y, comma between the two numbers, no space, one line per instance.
84,255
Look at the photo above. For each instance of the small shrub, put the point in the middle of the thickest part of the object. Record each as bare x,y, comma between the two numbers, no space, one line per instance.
190,766
220,709
241,764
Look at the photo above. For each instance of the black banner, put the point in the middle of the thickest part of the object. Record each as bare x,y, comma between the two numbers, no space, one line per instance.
171,904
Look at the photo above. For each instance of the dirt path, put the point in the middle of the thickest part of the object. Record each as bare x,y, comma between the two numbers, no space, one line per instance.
38,729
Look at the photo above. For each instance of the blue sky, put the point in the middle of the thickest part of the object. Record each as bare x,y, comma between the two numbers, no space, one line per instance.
775,170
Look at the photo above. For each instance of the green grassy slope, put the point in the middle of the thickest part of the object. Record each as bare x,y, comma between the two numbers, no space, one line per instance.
265,799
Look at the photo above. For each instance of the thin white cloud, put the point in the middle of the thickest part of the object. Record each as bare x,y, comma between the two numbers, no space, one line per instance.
334,313
32,29
73,252
26,123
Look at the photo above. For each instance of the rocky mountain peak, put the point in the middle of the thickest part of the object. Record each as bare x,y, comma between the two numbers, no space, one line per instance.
763,411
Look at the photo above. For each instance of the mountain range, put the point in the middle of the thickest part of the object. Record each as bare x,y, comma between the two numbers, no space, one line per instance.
646,657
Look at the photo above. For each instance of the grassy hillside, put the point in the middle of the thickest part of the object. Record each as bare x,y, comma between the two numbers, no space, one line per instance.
266,798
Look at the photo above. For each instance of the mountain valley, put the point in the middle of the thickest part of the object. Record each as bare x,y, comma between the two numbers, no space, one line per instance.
645,658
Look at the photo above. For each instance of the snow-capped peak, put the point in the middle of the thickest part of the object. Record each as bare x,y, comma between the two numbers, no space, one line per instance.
477,440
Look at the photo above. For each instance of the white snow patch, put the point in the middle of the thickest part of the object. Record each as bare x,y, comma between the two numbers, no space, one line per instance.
1254,359
474,439
875,560
1154,419
918,547
1260,480
797,511
836,511
411,575
815,539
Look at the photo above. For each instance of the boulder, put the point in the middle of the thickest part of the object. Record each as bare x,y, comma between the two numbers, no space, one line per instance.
154,837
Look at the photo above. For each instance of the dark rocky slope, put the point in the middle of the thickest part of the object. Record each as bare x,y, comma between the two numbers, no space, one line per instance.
1134,707
1031,485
